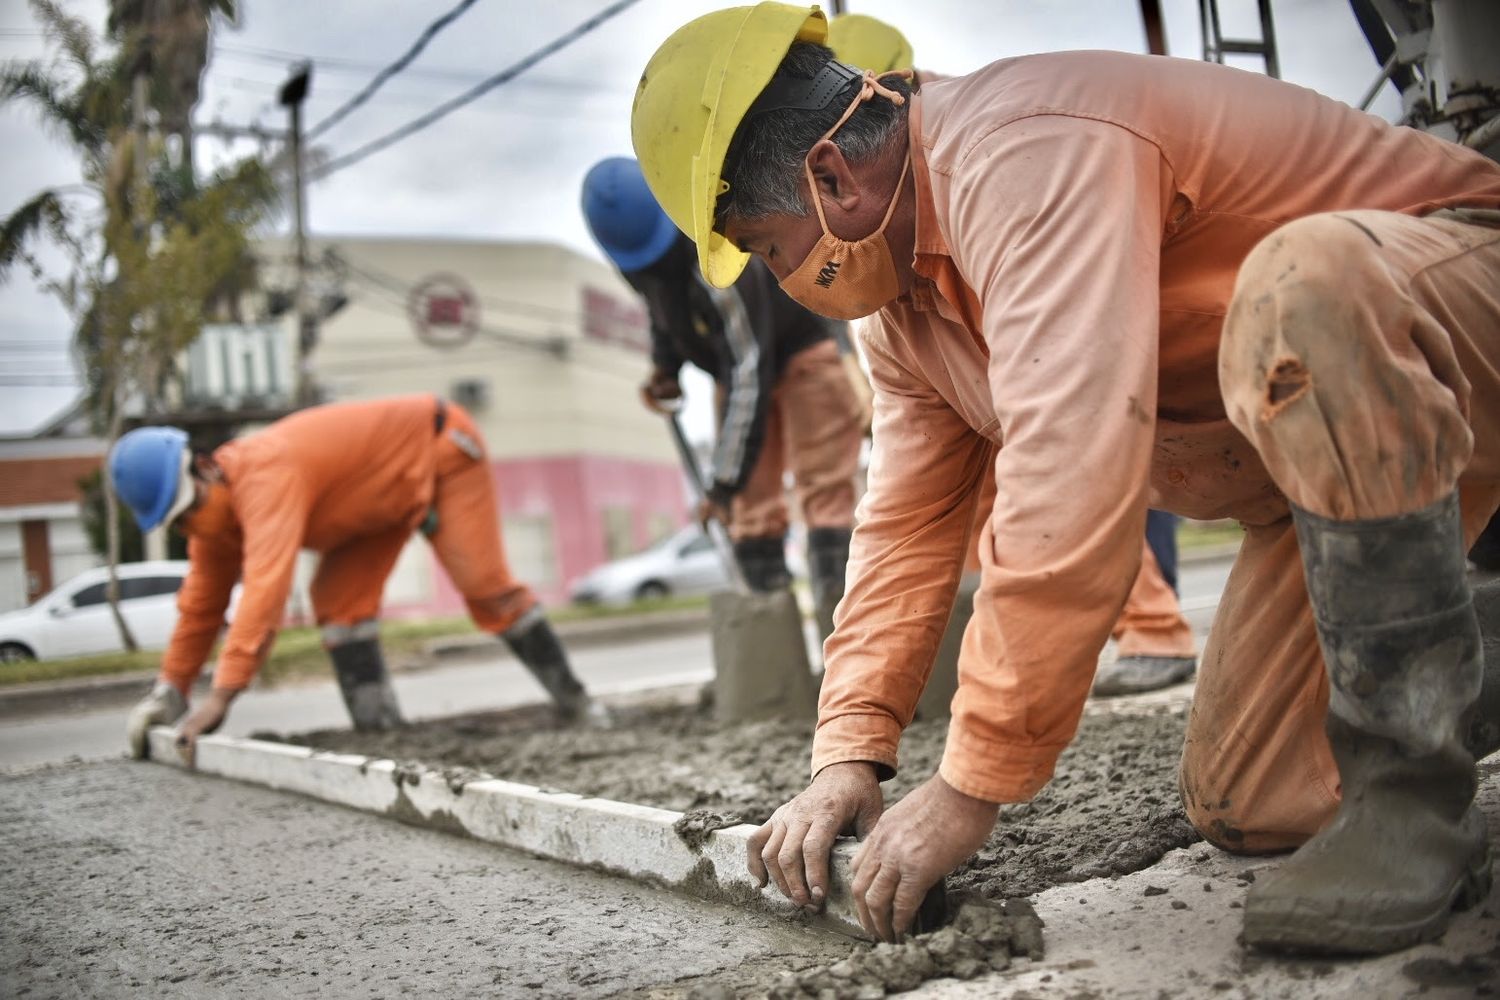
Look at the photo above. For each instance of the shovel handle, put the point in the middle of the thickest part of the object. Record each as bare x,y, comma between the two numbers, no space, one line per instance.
717,533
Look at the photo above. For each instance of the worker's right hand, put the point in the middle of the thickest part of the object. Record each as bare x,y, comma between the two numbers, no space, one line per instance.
204,719
792,848
661,392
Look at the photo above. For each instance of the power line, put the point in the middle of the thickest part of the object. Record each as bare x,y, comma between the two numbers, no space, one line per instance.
400,64
474,93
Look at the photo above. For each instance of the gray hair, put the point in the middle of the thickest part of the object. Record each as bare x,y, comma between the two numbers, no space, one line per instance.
763,165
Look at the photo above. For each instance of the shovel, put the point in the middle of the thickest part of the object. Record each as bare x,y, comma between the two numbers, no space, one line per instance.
761,670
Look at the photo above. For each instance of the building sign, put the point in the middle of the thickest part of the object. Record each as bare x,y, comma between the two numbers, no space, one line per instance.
444,310
609,320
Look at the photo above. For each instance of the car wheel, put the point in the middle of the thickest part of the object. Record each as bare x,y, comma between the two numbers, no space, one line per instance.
14,652
651,590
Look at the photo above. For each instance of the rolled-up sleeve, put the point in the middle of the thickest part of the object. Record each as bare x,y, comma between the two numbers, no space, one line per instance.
1056,223
913,526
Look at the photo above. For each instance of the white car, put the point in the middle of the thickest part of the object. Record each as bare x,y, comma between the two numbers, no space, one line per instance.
75,620
685,563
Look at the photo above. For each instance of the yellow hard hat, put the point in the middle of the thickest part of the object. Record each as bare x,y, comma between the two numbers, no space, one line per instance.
692,96
863,41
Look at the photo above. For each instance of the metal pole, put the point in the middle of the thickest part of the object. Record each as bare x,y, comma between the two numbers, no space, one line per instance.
293,93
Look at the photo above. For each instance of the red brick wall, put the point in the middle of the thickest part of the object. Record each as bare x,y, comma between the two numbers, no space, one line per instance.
25,481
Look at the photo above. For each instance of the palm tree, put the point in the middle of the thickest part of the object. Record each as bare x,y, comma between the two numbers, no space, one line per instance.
148,245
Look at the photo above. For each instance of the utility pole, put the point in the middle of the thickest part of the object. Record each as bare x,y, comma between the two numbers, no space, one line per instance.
293,93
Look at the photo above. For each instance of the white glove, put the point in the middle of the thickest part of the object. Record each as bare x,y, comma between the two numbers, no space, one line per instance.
162,707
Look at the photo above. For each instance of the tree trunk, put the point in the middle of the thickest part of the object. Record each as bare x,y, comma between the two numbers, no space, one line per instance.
112,527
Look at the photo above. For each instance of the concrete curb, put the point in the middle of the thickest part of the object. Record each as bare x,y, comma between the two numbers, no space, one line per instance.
637,842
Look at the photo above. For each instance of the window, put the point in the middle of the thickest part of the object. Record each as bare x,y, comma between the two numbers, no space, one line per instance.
149,586
696,544
89,596
619,532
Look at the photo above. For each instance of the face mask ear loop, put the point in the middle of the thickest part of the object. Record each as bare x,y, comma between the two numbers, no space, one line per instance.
895,198
869,87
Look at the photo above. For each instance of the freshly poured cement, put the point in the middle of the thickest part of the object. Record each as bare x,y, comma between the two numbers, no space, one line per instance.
1112,807
134,880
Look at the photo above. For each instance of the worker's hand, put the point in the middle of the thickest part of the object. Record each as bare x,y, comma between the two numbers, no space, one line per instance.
708,510
792,848
204,719
661,392
924,837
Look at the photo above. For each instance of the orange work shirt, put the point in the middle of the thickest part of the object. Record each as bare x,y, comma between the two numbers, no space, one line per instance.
314,480
1081,217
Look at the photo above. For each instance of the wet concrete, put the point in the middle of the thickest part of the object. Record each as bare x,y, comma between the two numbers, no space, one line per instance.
1112,807
134,880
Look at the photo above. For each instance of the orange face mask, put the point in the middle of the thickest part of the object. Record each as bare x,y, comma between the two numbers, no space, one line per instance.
213,517
844,279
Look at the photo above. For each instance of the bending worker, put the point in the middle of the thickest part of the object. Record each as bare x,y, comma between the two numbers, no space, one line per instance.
786,401
351,481
1154,643
1109,282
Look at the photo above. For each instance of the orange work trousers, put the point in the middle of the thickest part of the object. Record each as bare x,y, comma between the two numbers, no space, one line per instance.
813,427
1361,359
350,579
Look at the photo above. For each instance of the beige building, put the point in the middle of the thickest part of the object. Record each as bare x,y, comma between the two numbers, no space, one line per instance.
546,347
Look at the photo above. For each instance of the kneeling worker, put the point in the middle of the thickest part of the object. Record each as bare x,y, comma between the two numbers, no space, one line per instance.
350,481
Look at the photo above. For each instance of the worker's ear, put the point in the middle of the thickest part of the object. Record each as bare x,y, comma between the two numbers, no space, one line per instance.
205,468
833,180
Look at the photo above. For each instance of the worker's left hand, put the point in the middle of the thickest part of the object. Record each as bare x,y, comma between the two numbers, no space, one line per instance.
919,840
204,719
708,510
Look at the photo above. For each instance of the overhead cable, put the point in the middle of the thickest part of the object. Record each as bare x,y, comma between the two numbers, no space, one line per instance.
400,64
472,94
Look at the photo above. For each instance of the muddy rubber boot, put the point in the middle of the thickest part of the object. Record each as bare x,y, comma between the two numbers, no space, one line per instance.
1138,674
1399,635
1484,726
541,653
827,560
365,684
763,561
162,707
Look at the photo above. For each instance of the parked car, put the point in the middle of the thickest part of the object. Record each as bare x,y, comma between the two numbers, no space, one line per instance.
75,619
684,563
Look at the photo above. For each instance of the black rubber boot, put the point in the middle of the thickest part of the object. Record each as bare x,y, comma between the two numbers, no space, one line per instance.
1139,674
540,651
1484,727
1401,643
827,560
763,561
365,684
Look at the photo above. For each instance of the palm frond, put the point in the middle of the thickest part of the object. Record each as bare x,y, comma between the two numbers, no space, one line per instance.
44,213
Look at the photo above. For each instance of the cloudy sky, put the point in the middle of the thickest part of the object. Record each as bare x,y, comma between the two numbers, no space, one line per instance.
508,166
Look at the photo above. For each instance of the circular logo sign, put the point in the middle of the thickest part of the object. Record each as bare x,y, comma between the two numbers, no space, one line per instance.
444,310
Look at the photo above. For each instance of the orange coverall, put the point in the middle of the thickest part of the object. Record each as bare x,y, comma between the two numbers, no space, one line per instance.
350,481
1081,221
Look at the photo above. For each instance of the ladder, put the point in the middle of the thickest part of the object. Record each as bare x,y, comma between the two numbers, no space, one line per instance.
1216,46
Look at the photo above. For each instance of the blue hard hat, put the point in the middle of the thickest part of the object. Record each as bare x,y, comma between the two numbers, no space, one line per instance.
146,467
624,217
